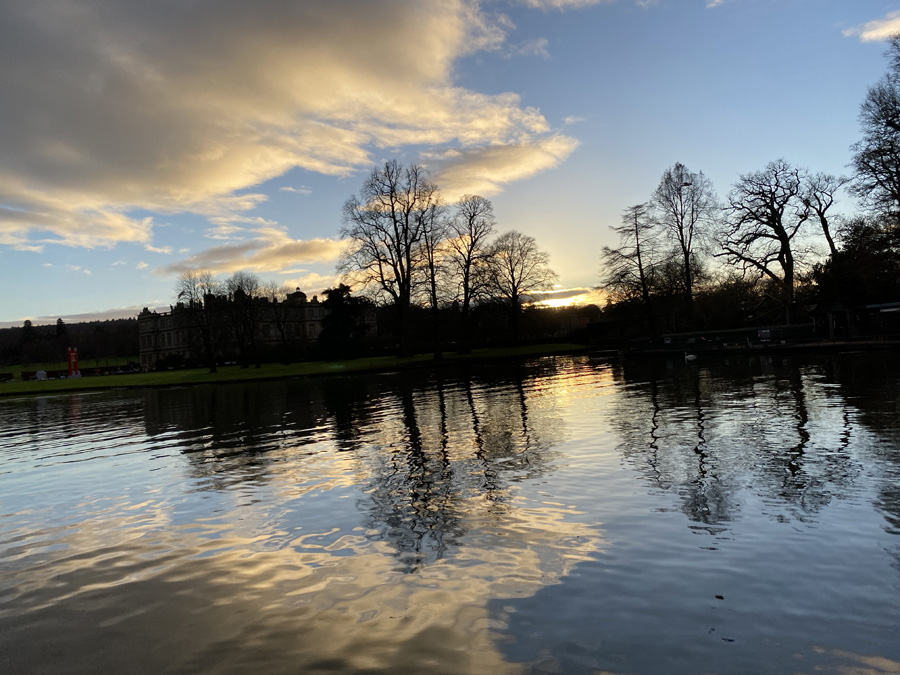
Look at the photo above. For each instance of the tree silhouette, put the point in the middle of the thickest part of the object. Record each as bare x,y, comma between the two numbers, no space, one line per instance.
766,215
387,225
517,269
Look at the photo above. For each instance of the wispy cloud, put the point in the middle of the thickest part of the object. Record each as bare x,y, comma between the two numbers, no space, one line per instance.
485,171
878,30
141,265
226,232
158,249
300,190
114,107
31,217
534,47
270,250
570,296
561,4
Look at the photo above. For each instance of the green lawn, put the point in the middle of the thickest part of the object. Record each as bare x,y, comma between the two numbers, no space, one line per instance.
172,378
83,364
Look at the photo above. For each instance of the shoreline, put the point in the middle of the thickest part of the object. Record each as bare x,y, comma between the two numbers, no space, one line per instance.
272,372
826,347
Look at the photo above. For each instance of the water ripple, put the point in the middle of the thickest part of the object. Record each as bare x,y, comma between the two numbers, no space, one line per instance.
555,515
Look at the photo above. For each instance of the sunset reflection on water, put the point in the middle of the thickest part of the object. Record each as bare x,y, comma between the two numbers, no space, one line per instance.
564,514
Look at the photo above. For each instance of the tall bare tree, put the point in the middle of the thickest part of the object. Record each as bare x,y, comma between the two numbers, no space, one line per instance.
470,229
766,215
818,192
685,206
876,157
518,268
199,299
628,271
386,229
434,235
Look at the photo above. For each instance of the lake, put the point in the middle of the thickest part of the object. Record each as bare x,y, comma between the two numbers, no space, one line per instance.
565,514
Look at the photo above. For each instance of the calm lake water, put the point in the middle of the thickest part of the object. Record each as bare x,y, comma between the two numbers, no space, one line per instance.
565,515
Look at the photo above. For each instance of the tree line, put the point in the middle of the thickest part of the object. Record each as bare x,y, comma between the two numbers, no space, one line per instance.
687,260
47,344
428,271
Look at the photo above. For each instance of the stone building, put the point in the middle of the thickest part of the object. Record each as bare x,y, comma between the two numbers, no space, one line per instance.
235,325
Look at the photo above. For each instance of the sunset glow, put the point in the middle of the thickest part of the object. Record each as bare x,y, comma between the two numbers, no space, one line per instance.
143,140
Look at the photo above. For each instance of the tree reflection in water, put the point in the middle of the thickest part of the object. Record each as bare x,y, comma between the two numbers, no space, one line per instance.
543,513
704,430
447,441
778,460
428,450
421,490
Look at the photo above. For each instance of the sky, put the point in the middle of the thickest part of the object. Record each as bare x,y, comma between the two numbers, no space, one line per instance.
142,139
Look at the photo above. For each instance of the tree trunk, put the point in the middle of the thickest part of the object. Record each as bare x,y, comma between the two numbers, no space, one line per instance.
404,338
788,291
516,312
465,342
688,283
437,342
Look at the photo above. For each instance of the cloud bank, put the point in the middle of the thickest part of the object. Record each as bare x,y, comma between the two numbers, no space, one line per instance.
113,107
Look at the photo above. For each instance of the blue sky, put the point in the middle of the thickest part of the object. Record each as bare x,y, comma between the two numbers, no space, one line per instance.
141,139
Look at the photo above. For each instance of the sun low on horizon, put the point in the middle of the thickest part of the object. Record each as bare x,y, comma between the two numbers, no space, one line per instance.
571,297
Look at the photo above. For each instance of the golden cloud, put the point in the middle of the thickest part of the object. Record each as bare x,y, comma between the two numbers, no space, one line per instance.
112,107
878,30
270,250
485,171
564,297
31,218
313,283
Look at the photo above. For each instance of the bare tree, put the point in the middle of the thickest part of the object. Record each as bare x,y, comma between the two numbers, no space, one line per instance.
386,229
629,269
685,206
766,215
818,194
434,235
518,268
199,300
876,157
471,227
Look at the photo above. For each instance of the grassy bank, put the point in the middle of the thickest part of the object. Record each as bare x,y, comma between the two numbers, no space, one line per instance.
85,365
175,378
